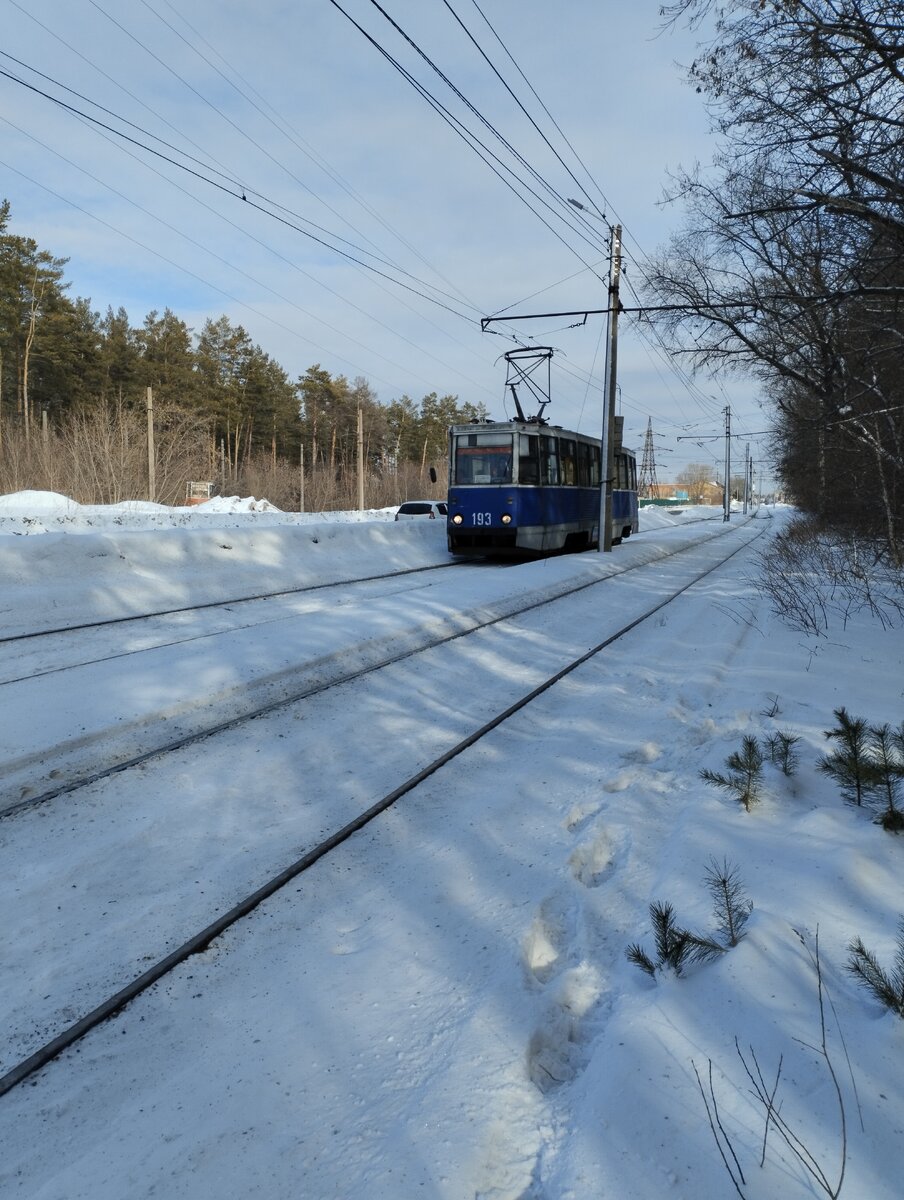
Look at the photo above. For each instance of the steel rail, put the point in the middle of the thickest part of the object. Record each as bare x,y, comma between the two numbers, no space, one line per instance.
200,941
261,710
185,608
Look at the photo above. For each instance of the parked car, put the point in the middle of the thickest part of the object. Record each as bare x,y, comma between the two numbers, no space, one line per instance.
413,509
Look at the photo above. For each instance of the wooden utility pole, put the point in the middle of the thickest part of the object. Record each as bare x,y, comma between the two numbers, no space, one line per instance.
152,458
301,478
607,447
360,459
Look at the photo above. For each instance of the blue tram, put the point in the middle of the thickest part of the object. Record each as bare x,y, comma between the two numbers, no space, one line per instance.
526,488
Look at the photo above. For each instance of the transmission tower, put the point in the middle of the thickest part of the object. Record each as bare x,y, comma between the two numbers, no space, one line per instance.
647,483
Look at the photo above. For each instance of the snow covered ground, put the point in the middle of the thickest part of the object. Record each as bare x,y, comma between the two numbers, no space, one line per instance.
443,1007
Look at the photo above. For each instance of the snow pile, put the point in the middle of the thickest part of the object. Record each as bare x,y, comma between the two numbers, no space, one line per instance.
32,512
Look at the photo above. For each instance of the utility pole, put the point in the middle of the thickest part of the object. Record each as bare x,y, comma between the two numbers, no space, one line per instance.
726,504
360,459
301,478
746,476
607,447
152,458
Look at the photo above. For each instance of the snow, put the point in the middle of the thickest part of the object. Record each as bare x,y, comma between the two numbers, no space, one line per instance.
443,1006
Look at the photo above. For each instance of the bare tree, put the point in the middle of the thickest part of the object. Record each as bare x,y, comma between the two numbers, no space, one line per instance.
791,263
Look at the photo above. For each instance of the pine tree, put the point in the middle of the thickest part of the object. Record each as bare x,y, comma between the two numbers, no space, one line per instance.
782,749
745,773
888,765
731,907
676,947
850,765
888,989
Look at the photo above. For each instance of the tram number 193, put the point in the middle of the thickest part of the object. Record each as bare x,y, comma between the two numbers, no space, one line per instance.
482,518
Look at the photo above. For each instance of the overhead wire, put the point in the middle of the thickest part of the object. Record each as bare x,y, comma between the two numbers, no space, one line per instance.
468,135
470,138
659,347
505,84
232,265
235,188
291,135
273,211
104,74
276,119
158,254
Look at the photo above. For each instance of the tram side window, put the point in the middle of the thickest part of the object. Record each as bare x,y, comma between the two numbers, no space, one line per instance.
625,472
568,461
583,464
595,466
529,459
549,460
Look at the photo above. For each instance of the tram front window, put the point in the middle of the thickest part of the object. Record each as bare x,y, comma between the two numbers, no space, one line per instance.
483,458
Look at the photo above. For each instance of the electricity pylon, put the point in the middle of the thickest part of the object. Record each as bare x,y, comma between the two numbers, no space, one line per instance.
647,483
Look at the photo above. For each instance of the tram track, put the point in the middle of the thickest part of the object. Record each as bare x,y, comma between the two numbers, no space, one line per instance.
56,643
199,941
109,622
132,743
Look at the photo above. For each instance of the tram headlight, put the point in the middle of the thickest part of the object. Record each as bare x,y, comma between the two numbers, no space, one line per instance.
457,519
506,518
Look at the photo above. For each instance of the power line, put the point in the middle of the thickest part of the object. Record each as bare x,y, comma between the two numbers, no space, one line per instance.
470,138
245,198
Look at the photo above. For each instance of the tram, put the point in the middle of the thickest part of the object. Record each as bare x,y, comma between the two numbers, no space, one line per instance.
525,488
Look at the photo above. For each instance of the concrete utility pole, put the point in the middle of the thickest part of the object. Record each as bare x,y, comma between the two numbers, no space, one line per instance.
607,447
746,477
726,506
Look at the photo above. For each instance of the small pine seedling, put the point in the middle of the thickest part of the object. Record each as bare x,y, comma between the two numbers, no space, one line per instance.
885,750
782,749
850,765
675,947
888,989
745,773
731,907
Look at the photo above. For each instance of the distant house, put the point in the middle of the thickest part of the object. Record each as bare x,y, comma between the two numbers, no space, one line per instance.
672,493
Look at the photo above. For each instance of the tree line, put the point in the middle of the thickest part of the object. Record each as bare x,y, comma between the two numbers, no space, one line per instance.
790,261
73,405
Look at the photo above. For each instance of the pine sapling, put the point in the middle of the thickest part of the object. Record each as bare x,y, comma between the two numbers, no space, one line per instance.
888,989
782,749
888,764
731,907
850,765
745,773
676,947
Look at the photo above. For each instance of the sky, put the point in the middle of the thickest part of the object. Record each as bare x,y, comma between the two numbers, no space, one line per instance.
292,107
443,1006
